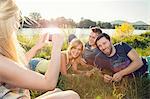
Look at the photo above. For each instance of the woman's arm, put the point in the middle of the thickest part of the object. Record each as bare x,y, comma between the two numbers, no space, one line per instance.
13,74
83,62
75,68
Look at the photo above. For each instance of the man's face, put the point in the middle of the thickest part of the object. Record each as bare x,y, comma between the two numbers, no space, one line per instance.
105,46
92,38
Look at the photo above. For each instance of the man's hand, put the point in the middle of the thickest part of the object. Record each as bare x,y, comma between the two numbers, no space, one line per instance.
107,78
117,76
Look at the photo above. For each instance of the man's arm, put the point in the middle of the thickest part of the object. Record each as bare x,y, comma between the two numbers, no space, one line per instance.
133,66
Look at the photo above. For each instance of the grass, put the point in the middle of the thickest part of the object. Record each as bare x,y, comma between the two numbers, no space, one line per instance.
93,87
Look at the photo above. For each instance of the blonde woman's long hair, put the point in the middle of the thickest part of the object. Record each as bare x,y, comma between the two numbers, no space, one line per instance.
9,14
73,44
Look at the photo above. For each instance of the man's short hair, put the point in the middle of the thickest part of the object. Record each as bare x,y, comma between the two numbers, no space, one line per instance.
96,30
102,35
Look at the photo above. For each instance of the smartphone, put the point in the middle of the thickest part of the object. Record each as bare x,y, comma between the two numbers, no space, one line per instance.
50,37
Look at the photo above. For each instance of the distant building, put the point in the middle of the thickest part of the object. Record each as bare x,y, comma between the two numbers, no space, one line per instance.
140,25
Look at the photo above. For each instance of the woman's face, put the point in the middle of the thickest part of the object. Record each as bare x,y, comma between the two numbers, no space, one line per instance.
76,52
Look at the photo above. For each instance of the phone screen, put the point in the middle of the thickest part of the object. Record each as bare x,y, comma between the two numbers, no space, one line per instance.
50,37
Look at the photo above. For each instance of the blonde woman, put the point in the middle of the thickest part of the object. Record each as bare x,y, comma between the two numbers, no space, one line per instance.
15,78
69,58
72,57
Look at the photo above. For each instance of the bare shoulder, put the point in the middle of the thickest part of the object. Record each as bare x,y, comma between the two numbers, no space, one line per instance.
63,54
64,59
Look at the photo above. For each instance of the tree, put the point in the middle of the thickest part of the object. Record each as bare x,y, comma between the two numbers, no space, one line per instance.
99,23
64,23
86,23
106,25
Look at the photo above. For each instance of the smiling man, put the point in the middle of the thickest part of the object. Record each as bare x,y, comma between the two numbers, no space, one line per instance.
91,50
119,59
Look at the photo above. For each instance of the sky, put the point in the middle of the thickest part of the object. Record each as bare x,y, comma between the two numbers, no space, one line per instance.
95,10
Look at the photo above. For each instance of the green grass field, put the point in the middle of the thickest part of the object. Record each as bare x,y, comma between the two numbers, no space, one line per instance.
93,87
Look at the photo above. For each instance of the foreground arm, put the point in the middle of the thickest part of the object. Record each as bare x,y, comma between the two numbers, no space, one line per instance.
13,74
133,66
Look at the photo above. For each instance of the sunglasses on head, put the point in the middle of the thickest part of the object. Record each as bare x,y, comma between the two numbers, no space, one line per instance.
96,29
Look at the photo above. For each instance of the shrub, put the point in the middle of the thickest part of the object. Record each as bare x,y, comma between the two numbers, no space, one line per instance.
136,41
125,30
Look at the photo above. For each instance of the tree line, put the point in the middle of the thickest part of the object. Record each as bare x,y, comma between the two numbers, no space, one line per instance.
62,22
